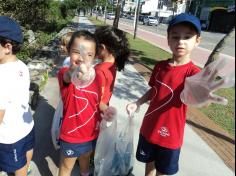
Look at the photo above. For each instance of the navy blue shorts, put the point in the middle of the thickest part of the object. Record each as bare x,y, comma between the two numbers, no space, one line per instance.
166,160
71,150
13,156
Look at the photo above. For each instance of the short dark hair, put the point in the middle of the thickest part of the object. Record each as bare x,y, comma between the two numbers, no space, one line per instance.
16,47
83,33
116,43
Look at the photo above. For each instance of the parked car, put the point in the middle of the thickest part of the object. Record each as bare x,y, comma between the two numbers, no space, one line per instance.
130,17
141,17
149,20
111,16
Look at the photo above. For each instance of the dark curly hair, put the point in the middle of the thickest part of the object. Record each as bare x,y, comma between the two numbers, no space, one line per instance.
116,43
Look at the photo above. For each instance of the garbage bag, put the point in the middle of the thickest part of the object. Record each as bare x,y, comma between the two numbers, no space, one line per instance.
198,89
114,150
83,80
56,124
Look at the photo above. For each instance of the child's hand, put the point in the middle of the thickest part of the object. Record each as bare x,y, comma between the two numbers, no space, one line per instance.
132,108
109,114
198,90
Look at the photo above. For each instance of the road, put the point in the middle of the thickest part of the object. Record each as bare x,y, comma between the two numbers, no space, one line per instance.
209,39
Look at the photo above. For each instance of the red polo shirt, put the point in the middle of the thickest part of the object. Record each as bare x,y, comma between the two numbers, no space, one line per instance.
165,119
107,73
81,116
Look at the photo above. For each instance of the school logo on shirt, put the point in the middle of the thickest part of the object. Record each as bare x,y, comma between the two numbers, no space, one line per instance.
164,132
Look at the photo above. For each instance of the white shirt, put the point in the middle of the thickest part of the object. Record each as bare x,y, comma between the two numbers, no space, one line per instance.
14,97
66,62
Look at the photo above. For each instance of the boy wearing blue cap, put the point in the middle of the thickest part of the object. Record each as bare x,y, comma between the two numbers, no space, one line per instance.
16,122
162,130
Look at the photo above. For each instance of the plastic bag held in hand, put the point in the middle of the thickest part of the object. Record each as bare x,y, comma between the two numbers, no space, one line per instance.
84,74
56,124
198,89
114,149
132,108
109,114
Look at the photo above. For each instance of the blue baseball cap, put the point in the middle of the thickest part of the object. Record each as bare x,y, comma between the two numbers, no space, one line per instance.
10,29
184,17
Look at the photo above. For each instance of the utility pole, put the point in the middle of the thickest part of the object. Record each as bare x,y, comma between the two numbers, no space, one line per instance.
136,19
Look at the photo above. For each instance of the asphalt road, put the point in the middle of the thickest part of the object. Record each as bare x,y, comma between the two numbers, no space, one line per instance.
209,39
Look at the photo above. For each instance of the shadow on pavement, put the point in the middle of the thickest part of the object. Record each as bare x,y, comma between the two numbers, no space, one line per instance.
210,131
131,83
45,156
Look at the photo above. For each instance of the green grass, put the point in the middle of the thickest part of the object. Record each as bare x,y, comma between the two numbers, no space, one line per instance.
224,116
149,55
145,52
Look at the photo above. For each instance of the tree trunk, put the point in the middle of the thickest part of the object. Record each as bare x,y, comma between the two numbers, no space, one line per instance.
220,46
117,17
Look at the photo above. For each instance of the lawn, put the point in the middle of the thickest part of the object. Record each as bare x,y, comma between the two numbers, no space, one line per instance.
149,55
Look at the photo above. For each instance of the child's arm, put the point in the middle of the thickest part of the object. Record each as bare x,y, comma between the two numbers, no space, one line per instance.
134,107
2,112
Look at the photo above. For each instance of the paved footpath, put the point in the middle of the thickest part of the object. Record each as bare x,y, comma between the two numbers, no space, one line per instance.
197,158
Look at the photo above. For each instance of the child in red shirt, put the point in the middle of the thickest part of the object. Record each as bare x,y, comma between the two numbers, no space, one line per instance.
81,117
114,52
162,130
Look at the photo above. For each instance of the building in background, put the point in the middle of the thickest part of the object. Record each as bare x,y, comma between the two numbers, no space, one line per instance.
165,9
129,5
215,15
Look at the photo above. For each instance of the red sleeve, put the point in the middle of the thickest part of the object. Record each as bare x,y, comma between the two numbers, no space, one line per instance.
62,84
102,84
153,76
101,78
194,71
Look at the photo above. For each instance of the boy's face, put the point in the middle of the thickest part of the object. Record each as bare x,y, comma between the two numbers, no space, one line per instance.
78,58
182,40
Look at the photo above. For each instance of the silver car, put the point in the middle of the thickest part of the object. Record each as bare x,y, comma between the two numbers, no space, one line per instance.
111,16
149,20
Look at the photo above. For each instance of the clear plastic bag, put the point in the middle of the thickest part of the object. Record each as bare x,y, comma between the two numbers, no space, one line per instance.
198,89
84,74
56,125
114,151
84,80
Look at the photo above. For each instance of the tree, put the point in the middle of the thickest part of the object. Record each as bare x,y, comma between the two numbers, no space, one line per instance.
28,12
117,17
220,46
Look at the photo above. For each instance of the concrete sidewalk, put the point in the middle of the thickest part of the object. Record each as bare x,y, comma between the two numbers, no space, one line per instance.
197,158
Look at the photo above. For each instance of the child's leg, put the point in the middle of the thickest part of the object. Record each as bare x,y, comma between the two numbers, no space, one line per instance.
150,169
23,170
84,162
145,153
166,161
66,165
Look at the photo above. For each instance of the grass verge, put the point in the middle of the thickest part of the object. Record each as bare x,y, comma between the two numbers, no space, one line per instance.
149,55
